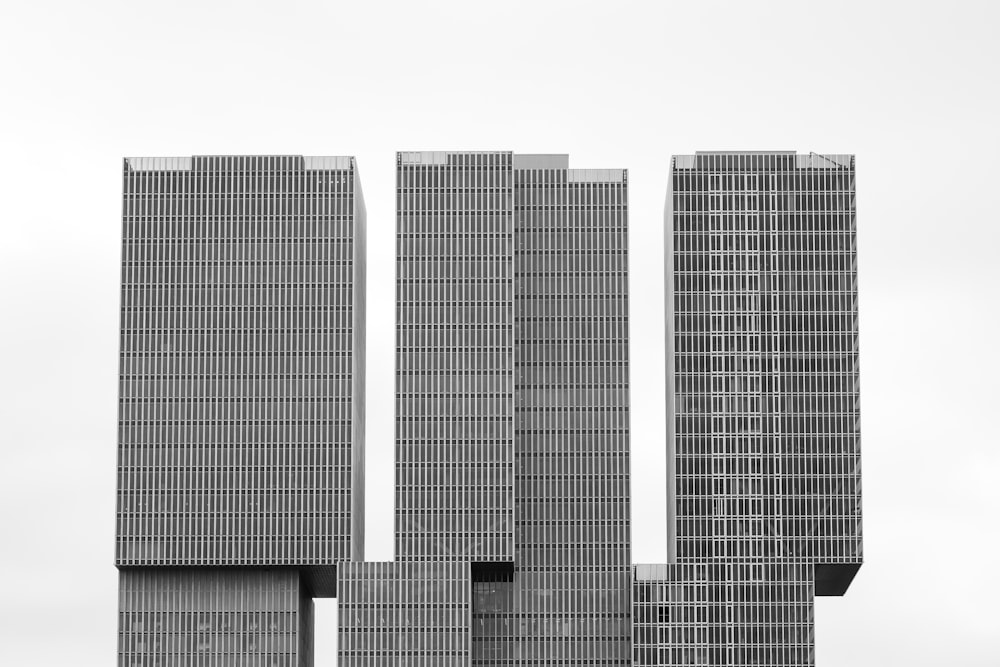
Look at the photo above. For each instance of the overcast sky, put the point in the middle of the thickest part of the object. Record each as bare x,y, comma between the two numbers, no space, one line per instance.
911,88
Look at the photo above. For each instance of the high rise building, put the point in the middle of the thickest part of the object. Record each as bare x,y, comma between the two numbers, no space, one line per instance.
241,427
455,357
512,424
763,440
241,415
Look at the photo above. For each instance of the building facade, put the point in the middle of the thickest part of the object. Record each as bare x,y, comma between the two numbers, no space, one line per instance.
404,613
241,412
512,442
763,437
241,417
568,600
455,357
723,614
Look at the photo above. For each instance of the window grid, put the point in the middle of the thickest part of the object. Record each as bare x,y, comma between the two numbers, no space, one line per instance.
763,439
173,618
241,402
765,342
568,600
240,345
732,614
454,341
404,613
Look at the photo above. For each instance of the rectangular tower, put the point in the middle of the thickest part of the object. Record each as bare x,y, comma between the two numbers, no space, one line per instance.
762,375
455,357
764,325
512,450
241,418
568,599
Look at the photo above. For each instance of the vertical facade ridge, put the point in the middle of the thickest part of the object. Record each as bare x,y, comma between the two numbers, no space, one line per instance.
358,364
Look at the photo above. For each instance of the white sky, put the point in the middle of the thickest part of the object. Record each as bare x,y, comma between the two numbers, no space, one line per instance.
911,88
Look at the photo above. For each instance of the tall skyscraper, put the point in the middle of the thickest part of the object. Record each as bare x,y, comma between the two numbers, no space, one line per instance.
241,427
763,446
241,418
455,358
512,425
